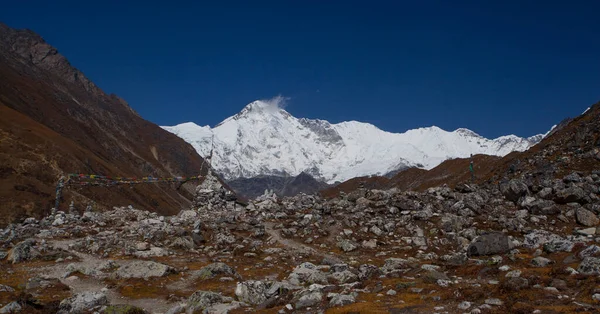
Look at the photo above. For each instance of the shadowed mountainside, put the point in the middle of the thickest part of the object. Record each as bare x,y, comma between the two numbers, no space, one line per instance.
53,120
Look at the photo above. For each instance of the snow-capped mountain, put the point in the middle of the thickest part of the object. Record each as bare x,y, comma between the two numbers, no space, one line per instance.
264,139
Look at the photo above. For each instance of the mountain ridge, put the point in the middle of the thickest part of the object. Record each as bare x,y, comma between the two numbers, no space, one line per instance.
264,139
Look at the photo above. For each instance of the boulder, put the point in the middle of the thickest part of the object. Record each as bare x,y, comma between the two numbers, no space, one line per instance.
489,244
589,266
341,300
213,270
586,217
22,251
347,245
252,291
82,303
12,307
201,300
143,269
513,190
570,195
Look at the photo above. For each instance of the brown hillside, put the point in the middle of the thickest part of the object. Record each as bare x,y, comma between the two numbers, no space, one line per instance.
54,121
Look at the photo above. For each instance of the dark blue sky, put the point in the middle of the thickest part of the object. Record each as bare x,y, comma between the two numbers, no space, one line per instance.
496,68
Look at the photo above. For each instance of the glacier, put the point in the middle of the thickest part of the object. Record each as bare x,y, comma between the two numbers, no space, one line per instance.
264,139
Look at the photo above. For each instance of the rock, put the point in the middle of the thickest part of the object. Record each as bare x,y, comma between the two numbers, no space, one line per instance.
591,250
513,190
569,195
347,245
375,230
142,246
4,288
367,271
12,307
307,273
537,238
201,300
464,305
586,217
213,270
371,244
310,299
392,264
494,301
391,292
573,177
559,284
341,300
589,266
596,296
488,244
343,277
252,292
143,269
513,274
587,231
516,284
540,262
22,251
82,303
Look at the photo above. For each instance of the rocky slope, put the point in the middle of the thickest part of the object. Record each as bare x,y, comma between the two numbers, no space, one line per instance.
264,139
521,246
53,121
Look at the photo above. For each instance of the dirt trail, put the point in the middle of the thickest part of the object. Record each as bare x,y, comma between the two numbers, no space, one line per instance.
289,243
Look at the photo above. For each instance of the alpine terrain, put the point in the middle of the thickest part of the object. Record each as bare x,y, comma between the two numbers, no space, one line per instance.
264,139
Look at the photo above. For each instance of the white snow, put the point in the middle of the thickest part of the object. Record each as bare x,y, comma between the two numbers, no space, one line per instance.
264,139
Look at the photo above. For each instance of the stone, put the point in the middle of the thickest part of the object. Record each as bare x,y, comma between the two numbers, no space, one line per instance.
569,195
213,270
143,269
391,292
489,244
494,301
513,190
201,300
251,292
392,264
347,245
343,277
310,299
307,273
589,266
12,307
587,231
367,271
22,251
591,250
4,288
540,261
586,217
376,231
464,305
513,274
573,177
142,246
341,300
370,244
82,302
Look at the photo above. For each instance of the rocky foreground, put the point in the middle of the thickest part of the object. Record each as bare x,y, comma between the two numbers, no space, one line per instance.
515,247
